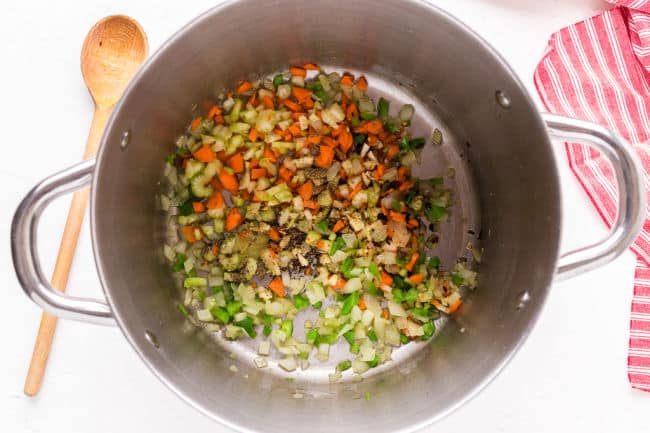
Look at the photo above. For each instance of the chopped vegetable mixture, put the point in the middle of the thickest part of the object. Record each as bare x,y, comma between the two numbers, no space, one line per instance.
295,192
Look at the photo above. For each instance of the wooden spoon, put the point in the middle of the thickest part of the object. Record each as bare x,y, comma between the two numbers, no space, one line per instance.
112,52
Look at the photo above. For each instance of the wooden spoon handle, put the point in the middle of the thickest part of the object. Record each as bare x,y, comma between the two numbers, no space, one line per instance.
64,260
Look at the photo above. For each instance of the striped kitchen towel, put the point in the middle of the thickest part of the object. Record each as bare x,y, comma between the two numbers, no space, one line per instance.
599,70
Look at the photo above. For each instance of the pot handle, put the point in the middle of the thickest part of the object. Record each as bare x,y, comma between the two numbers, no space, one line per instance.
24,228
631,193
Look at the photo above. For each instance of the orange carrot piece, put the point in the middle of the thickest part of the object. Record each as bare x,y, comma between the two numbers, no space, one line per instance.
188,231
196,122
268,102
244,87
347,80
285,174
354,191
298,71
215,249
397,216
257,173
413,223
411,263
405,186
351,111
205,154
253,135
380,171
216,201
311,204
340,283
274,235
301,94
213,112
198,207
236,162
306,190
325,157
362,83
233,219
402,173
362,304
345,141
321,245
277,286
385,313
311,67
229,181
375,126
386,279
313,139
294,129
291,105
268,154
340,225
392,152
453,307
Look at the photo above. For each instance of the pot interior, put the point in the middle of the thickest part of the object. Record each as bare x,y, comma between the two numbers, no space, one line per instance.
505,190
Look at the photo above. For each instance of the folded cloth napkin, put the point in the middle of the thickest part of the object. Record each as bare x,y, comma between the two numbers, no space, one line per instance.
599,70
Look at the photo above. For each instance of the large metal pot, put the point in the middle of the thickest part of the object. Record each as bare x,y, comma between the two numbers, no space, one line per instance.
506,184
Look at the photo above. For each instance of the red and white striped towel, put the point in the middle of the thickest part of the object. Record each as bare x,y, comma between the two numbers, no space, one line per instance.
599,70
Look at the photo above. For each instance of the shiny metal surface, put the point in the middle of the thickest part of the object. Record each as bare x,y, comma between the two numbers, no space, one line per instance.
631,193
25,253
506,191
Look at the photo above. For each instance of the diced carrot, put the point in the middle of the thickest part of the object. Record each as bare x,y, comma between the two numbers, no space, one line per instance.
253,99
268,154
402,173
396,216
351,111
301,94
216,201
229,181
221,156
340,225
306,190
294,129
291,105
196,122
362,83
285,174
374,126
218,119
344,101
295,116
347,80
233,219
386,279
336,132
372,139
313,139
340,283
385,313
268,102
257,173
298,71
236,162
198,207
311,204
253,135
416,278
392,152
188,231
254,163
405,186
413,223
214,111
380,171
321,245
329,141
411,263
215,249
205,154
354,191
325,157
308,271
362,304
311,67
244,87
453,307
274,235
345,141
277,286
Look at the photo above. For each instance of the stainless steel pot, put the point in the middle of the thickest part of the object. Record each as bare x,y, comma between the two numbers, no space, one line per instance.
506,185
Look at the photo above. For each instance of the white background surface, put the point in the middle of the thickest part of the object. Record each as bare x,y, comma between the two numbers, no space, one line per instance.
569,376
